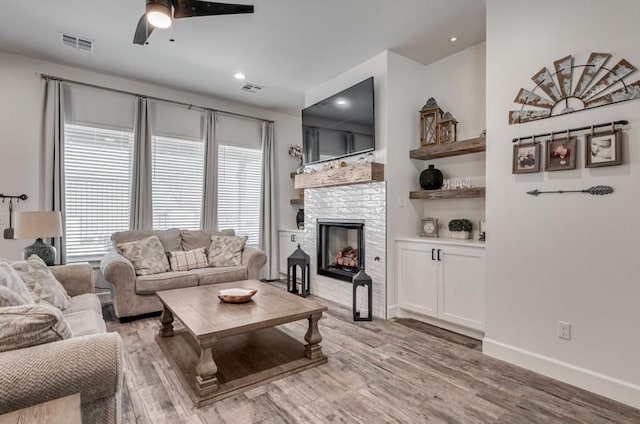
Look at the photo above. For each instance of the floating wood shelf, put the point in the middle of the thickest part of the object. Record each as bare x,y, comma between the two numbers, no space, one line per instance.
462,193
297,201
356,174
473,145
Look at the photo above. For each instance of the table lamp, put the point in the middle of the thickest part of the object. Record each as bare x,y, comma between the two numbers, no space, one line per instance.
39,225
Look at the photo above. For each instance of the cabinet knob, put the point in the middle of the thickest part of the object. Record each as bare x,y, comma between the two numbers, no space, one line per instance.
433,252
439,255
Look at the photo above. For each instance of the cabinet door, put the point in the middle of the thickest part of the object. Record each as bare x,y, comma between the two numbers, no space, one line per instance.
417,278
284,245
461,286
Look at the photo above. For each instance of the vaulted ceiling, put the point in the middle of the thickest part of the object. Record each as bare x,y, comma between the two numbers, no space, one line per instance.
287,46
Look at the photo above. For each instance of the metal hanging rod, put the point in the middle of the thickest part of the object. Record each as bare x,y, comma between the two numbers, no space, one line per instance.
11,197
131,93
567,132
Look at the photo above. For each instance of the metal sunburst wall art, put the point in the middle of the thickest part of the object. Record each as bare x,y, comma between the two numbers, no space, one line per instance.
598,85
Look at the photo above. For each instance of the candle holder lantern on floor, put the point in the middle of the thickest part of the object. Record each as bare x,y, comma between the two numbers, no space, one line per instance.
299,259
362,279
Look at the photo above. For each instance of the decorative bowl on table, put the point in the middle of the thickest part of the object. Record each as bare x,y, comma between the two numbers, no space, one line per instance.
236,295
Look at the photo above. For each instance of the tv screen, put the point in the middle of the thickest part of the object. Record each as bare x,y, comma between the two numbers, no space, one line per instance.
340,125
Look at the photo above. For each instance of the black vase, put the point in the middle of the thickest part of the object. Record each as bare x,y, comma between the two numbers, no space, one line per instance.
300,219
431,178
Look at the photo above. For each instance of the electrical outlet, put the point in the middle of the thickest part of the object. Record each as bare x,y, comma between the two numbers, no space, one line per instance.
564,330
402,201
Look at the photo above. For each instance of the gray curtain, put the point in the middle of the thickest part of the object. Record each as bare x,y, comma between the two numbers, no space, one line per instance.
268,200
208,216
141,213
52,158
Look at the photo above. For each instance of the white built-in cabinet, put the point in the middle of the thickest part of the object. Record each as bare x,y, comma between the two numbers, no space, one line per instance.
442,280
287,243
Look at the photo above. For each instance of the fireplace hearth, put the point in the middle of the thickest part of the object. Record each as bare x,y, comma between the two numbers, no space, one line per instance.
340,248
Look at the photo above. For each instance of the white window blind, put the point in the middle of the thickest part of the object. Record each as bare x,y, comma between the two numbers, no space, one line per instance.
97,170
239,186
177,182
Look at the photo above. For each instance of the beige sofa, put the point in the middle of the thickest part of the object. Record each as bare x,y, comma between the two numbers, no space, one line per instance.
89,363
135,295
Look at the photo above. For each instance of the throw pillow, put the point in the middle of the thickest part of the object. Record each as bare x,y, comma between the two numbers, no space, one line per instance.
10,279
226,250
41,283
186,261
146,255
29,325
10,298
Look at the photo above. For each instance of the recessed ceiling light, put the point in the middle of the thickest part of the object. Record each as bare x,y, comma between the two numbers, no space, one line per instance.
453,39
341,102
239,75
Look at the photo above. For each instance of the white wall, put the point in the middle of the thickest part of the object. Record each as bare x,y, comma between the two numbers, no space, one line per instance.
20,115
457,82
569,257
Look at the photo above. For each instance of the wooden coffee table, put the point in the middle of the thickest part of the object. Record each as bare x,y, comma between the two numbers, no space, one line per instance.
228,348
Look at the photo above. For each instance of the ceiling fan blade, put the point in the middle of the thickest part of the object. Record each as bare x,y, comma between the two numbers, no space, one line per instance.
189,8
143,31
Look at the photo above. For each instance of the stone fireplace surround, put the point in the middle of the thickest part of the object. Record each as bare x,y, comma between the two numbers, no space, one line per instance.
366,202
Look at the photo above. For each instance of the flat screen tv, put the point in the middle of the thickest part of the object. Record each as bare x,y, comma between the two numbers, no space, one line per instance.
340,125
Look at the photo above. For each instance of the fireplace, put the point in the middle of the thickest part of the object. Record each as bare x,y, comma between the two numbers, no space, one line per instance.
340,248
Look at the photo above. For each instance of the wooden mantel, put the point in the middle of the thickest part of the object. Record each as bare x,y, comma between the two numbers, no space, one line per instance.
354,174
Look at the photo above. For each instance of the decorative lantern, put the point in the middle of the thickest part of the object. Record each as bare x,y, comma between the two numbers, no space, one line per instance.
430,115
447,127
362,279
299,259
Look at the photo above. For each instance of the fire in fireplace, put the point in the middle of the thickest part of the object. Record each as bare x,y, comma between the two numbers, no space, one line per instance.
340,248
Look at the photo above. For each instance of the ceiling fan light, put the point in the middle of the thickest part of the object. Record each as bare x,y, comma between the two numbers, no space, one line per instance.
159,15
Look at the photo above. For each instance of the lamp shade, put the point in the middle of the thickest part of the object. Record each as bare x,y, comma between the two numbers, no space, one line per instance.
38,225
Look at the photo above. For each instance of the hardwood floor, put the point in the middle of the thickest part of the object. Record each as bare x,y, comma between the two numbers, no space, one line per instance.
378,372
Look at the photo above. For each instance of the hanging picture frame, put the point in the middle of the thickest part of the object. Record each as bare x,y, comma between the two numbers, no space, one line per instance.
526,158
560,154
603,149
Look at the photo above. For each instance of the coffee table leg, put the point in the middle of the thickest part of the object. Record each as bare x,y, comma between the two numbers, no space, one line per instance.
166,321
206,369
312,348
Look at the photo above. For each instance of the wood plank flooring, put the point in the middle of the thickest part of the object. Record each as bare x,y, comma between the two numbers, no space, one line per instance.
378,372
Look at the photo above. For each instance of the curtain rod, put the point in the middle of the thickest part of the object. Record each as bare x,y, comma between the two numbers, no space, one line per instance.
612,124
115,90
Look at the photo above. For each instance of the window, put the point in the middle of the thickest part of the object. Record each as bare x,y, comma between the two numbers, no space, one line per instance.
239,187
177,182
97,171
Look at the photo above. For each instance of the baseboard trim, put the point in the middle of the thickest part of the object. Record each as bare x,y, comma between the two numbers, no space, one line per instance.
613,388
469,332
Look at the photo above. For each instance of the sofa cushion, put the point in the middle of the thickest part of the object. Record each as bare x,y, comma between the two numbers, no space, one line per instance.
226,250
150,284
194,239
220,275
41,283
29,325
84,302
187,260
170,238
10,279
85,323
147,255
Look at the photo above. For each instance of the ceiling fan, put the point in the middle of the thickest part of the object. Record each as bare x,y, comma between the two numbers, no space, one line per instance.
159,14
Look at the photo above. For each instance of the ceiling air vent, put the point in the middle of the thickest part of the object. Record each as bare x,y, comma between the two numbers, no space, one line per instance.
76,42
251,88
